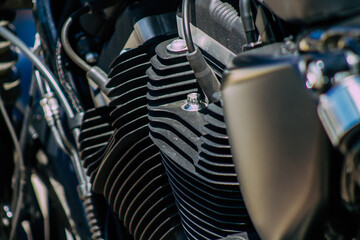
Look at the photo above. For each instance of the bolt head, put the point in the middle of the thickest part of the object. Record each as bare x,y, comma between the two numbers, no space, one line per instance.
178,45
193,98
193,103
91,57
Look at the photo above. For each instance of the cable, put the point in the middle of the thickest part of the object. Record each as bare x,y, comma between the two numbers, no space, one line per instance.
186,26
49,77
65,41
27,114
204,75
40,66
73,154
20,169
58,139
65,79
247,20
94,73
51,111
45,27
39,83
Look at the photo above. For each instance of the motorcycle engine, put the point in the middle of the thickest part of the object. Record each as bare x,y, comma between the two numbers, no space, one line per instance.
158,154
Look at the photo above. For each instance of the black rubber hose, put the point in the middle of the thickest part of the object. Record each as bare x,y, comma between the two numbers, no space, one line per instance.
204,75
186,26
247,20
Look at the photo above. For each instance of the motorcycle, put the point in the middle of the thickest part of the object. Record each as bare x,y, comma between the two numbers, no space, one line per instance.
158,119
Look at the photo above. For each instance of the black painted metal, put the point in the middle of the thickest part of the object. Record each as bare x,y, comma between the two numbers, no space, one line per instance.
310,11
96,131
195,151
131,175
215,158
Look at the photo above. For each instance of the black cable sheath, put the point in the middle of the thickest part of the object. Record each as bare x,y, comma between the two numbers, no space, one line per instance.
65,40
247,20
186,26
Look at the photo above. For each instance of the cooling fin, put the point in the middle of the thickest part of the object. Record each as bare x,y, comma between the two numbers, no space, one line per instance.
195,150
130,173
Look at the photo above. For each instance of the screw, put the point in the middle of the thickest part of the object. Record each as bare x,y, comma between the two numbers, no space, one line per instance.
177,45
193,103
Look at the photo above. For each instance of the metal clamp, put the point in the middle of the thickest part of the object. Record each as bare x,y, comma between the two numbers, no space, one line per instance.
339,109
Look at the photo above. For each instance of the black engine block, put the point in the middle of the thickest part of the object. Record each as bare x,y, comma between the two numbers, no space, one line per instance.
166,172
129,172
195,150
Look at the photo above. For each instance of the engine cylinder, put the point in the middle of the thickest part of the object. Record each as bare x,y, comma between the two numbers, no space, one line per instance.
130,172
195,150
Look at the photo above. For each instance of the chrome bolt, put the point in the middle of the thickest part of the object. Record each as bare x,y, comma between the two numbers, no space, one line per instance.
178,45
193,103
91,57
314,76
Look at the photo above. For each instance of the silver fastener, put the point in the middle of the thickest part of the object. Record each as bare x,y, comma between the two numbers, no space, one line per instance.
193,103
314,76
91,57
177,45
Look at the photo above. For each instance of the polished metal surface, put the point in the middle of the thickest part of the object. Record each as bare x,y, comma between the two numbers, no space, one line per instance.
339,109
193,103
279,147
177,45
